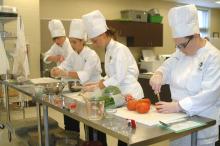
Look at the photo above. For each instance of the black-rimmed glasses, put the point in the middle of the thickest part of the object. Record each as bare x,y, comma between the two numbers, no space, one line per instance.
184,45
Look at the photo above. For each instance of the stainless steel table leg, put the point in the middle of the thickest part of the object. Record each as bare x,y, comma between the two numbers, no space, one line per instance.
45,109
39,123
7,109
194,139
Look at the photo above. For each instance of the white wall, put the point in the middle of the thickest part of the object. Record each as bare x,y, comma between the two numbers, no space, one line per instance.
70,9
111,10
29,10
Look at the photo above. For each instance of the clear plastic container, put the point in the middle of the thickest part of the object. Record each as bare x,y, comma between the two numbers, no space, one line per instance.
95,109
70,104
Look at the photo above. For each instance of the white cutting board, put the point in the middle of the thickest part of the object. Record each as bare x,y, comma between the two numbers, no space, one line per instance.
44,80
151,118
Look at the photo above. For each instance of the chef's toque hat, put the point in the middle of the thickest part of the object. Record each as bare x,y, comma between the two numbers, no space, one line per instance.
77,29
95,23
56,28
183,21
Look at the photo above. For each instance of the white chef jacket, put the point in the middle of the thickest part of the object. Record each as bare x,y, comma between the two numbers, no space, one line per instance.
86,64
121,69
195,82
55,49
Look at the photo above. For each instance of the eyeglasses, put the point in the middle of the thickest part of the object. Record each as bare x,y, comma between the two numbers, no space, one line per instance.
184,45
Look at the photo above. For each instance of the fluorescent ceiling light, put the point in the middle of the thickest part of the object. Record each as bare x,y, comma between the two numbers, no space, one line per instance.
218,2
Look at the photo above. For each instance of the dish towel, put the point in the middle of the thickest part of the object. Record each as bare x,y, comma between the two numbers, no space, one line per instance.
4,60
21,64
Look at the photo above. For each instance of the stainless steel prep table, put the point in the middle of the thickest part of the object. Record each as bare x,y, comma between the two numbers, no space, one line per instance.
141,136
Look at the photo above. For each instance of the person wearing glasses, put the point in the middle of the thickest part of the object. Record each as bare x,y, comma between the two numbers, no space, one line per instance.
193,73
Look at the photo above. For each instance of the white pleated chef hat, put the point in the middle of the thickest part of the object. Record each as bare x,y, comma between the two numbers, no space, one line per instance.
77,29
95,23
56,28
183,21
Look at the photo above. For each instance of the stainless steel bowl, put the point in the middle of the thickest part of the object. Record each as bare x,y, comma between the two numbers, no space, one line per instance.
54,88
74,86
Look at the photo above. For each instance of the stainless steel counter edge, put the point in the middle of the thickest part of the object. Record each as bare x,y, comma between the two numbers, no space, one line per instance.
142,136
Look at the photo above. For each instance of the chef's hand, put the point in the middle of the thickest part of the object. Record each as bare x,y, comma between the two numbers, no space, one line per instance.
90,87
57,72
168,107
156,82
60,58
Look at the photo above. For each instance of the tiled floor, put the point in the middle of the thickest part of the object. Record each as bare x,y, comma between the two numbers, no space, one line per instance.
31,112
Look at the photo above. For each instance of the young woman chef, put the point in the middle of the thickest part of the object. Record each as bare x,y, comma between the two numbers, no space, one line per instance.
120,66
193,73
61,47
82,64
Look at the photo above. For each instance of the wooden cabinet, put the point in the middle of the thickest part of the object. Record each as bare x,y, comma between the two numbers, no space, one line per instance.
139,34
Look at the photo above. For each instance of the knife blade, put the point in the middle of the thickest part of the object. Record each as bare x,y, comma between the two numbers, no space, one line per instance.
158,96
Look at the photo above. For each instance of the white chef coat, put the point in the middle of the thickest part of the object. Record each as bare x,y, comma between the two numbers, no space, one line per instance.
55,49
86,64
195,82
121,69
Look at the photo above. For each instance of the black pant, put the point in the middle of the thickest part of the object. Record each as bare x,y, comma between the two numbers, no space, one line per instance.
100,136
71,124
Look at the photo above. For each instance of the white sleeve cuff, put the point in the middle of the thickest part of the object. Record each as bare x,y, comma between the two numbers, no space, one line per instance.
45,60
110,81
186,105
83,76
162,70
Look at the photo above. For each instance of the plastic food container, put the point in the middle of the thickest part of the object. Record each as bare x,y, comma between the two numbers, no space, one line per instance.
134,15
58,101
95,109
155,19
70,104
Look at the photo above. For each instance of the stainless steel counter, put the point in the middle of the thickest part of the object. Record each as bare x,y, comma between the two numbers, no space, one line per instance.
141,136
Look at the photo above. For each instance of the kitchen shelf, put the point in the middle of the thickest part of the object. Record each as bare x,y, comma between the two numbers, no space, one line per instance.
6,19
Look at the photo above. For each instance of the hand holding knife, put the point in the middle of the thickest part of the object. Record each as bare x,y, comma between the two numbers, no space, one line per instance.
158,96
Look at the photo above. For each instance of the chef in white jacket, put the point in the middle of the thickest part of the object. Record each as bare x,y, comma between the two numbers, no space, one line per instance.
120,66
61,48
82,64
193,73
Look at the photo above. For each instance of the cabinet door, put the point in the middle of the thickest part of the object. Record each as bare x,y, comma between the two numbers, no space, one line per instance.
153,34
139,33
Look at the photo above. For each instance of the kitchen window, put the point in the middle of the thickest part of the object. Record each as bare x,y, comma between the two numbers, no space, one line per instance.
203,15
